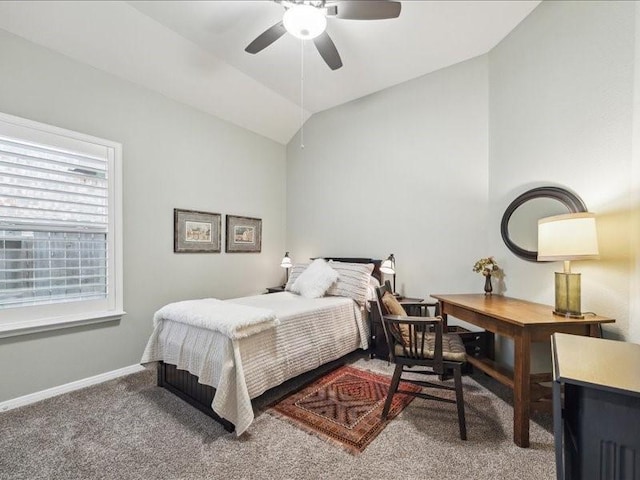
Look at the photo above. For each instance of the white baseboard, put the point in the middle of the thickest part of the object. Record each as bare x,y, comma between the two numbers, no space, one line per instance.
68,387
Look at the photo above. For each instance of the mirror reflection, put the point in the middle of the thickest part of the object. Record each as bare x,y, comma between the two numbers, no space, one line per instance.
519,226
523,224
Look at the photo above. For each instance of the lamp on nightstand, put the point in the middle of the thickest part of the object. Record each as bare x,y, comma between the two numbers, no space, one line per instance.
388,267
568,237
286,264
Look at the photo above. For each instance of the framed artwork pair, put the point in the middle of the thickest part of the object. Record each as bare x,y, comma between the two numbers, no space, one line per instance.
200,232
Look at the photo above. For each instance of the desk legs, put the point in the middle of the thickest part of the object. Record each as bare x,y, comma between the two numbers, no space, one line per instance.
522,389
595,330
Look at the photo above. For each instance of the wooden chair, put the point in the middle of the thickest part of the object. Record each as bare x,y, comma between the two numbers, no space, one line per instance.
420,342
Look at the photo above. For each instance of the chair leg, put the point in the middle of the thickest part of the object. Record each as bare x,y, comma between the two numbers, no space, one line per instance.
395,381
457,374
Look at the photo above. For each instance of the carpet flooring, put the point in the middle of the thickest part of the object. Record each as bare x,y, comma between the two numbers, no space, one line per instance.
130,429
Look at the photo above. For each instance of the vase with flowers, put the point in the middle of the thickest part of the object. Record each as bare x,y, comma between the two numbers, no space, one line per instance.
487,267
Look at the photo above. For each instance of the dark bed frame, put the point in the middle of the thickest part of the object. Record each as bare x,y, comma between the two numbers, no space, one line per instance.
186,386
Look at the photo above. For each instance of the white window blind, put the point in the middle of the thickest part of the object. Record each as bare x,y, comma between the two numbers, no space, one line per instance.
54,220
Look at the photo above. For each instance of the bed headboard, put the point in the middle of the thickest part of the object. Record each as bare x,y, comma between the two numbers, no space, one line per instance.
377,274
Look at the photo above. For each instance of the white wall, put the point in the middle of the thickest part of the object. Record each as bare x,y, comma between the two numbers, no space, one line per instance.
561,105
426,169
634,323
402,171
173,157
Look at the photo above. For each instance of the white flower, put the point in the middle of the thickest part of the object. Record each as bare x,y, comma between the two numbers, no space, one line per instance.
486,266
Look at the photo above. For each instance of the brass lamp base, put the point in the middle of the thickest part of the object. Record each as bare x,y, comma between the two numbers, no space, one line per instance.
568,295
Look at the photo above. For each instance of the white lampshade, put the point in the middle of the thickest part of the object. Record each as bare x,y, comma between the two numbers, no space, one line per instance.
389,265
286,261
568,237
304,21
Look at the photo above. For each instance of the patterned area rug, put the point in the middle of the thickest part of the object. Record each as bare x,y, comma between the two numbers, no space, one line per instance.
343,407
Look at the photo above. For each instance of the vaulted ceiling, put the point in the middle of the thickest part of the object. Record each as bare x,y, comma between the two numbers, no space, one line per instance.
193,51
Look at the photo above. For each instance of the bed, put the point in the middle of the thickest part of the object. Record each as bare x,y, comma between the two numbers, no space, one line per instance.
220,374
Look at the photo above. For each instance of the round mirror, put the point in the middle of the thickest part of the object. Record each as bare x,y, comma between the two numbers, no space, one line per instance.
519,226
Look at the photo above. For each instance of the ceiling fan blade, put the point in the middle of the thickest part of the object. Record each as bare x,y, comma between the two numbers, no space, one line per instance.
328,51
266,38
365,9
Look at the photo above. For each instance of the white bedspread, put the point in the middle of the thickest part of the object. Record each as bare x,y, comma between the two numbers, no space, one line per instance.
231,319
311,333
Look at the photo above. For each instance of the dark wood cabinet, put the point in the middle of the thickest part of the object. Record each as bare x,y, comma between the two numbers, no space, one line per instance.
279,288
596,429
476,344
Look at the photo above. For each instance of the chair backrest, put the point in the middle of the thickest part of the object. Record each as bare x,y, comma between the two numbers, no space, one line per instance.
409,334
382,311
392,333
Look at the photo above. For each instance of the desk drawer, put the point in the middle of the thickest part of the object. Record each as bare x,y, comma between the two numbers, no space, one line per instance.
475,343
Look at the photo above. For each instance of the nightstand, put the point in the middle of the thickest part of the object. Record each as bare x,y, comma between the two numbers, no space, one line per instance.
414,306
279,288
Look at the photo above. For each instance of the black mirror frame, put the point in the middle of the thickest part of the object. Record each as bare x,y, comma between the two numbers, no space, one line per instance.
570,200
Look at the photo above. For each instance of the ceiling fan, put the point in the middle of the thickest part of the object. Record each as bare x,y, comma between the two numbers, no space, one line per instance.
307,20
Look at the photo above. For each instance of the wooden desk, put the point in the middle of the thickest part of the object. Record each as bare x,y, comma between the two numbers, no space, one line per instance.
525,322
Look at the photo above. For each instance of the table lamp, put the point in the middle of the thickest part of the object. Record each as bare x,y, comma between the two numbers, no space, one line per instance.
286,264
388,267
568,237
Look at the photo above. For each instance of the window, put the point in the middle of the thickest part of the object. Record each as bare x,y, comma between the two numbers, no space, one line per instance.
60,228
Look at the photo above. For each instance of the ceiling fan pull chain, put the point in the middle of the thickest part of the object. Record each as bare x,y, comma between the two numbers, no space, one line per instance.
301,94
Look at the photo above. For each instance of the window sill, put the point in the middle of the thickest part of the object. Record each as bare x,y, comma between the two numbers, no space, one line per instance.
56,323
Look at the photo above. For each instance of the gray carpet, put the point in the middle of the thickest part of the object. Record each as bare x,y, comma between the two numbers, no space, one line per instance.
130,429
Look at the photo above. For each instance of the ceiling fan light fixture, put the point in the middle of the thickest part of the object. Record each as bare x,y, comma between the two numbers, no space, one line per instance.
304,21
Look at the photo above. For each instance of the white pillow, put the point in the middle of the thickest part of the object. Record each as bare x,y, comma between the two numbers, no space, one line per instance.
315,280
353,281
294,273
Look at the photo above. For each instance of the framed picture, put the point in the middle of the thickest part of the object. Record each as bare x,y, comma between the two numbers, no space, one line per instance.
244,234
196,232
